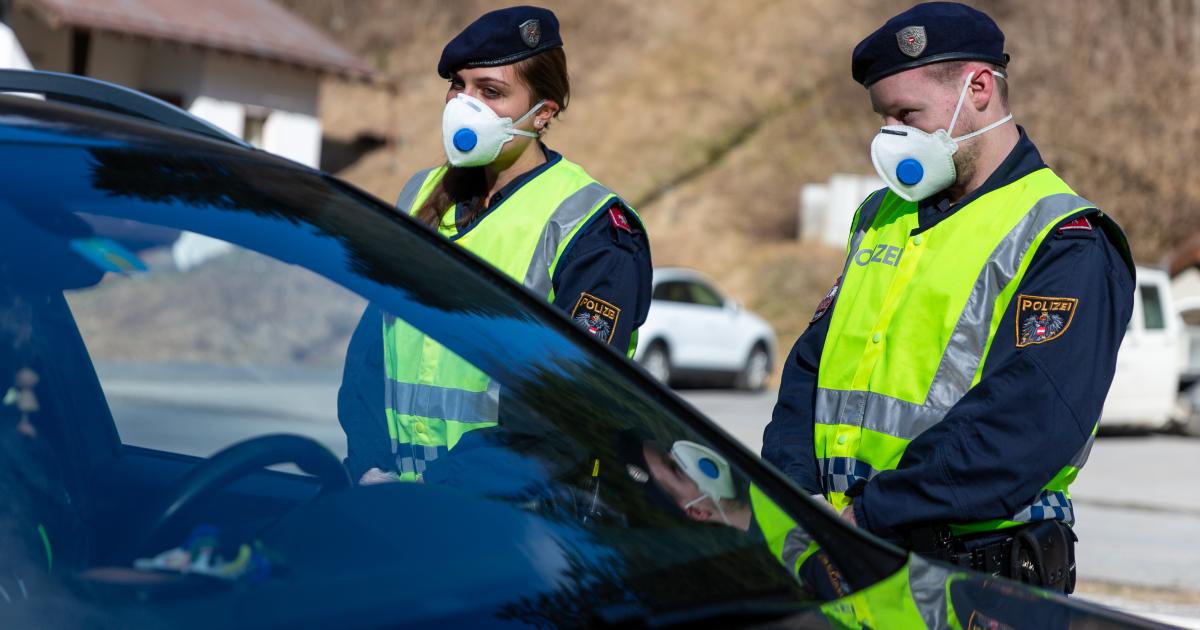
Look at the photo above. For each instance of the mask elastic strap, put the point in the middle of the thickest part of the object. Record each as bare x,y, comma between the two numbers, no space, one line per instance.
958,109
716,502
962,96
984,130
522,132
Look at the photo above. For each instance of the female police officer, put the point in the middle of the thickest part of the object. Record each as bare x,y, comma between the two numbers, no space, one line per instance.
509,199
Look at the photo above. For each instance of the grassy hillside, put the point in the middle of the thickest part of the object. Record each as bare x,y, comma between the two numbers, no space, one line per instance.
709,116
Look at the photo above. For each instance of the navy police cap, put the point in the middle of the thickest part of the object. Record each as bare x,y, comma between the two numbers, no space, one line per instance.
500,38
931,32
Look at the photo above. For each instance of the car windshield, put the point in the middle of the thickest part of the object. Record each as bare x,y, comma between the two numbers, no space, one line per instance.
160,306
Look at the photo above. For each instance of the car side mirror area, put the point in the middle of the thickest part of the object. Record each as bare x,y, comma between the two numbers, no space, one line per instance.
733,306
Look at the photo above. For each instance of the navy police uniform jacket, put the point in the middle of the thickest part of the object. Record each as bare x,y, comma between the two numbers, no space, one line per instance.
606,260
1031,412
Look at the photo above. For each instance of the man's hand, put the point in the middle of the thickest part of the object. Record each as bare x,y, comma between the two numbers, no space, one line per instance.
848,515
377,475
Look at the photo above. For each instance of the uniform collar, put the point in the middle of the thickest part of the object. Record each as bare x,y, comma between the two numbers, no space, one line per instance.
1021,161
552,158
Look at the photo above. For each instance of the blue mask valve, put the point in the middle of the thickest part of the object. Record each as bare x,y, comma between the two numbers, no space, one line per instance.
465,140
708,468
908,171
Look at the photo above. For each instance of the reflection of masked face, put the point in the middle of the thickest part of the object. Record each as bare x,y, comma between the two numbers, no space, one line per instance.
686,474
708,470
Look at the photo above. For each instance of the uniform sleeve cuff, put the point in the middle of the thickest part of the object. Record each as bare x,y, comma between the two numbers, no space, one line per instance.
862,516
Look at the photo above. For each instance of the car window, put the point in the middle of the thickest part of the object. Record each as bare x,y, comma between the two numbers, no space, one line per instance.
194,301
673,292
212,344
704,295
1152,307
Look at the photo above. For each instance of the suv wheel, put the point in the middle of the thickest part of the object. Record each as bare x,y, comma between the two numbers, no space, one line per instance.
657,362
1188,411
753,376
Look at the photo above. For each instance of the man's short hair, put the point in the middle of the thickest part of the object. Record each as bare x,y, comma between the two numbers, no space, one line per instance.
952,72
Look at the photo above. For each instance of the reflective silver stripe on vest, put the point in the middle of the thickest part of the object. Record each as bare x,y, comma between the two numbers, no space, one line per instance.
964,351
839,474
877,412
928,584
408,194
794,545
1050,505
412,458
444,403
568,215
866,217
1082,456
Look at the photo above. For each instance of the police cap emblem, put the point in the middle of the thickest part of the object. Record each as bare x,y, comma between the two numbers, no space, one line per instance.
912,40
531,32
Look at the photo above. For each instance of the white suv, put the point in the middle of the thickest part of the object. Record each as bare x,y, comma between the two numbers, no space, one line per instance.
695,333
1146,384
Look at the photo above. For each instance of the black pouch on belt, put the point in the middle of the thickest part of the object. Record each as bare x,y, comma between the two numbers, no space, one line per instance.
1043,554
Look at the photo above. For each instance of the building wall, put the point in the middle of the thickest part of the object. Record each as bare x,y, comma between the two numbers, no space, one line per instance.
264,84
219,87
159,68
287,96
227,115
11,53
294,136
47,49
116,59
826,210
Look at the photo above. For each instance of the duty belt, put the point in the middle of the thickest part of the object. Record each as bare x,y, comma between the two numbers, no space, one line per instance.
1042,554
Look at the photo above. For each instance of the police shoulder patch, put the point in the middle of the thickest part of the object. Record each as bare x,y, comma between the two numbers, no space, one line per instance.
616,216
596,316
1042,319
1078,224
826,302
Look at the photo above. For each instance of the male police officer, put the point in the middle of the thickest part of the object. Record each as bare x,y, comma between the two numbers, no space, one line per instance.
948,388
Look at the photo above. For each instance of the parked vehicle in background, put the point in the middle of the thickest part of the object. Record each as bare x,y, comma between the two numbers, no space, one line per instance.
693,333
1146,386
1188,410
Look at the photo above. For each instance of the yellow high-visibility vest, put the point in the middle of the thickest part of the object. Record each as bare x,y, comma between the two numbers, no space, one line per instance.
433,396
914,320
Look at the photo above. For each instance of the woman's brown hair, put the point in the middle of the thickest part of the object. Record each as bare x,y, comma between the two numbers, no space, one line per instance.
545,74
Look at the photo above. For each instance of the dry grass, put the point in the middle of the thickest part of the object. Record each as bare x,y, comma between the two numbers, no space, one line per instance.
711,115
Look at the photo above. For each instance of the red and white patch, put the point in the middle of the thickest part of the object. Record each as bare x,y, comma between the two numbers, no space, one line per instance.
1078,224
617,217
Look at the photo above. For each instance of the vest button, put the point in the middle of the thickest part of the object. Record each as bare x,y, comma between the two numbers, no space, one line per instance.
917,239
419,426
841,439
877,337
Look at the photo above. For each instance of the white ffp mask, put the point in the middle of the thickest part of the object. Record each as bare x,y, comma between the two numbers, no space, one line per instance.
709,470
917,164
473,134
